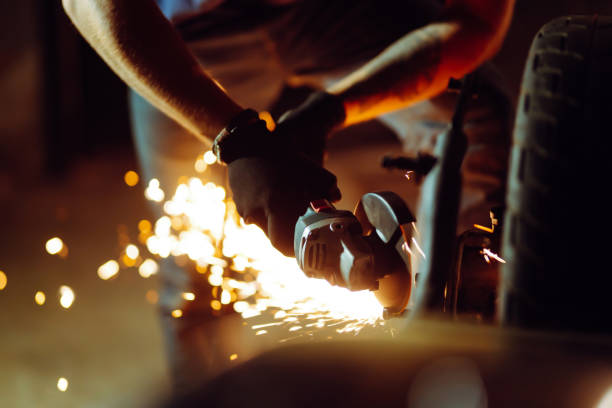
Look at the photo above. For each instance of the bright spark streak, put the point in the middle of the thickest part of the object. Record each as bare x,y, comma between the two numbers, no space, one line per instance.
260,326
483,228
487,253
418,248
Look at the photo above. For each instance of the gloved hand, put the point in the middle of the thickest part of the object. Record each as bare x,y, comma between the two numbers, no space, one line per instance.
273,192
308,126
272,184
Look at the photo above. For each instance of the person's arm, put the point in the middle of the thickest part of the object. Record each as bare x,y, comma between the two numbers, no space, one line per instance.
141,46
419,65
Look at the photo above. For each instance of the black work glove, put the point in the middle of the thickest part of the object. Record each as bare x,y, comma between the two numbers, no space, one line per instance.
273,192
272,184
308,126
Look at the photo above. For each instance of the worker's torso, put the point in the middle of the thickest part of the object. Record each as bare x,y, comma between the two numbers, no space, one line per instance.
253,47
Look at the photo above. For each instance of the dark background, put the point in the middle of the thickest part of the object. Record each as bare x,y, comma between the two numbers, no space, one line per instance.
64,147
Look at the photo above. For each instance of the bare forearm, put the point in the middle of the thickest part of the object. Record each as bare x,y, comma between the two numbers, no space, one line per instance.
420,64
141,46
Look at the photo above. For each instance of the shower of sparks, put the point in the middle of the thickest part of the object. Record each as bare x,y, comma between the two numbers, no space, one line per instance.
66,295
39,298
418,248
62,384
239,262
54,246
108,270
3,280
488,254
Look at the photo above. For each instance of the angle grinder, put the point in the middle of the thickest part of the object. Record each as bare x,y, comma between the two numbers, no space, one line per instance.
368,249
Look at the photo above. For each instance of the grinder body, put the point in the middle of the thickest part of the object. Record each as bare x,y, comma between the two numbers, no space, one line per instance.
364,250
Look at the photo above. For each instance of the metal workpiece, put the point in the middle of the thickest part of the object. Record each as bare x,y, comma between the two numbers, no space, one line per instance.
438,212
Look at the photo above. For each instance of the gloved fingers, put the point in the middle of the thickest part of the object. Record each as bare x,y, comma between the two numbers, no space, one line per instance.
320,183
281,224
256,216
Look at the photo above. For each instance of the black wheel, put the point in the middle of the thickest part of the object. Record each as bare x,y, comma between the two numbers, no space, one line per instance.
557,235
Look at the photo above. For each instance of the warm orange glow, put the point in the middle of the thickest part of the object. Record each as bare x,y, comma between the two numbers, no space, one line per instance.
131,178
176,313
144,226
3,280
215,305
266,117
39,298
233,356
200,224
200,164
127,261
483,228
152,296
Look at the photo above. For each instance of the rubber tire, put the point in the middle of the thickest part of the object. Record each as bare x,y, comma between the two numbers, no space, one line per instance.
557,229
